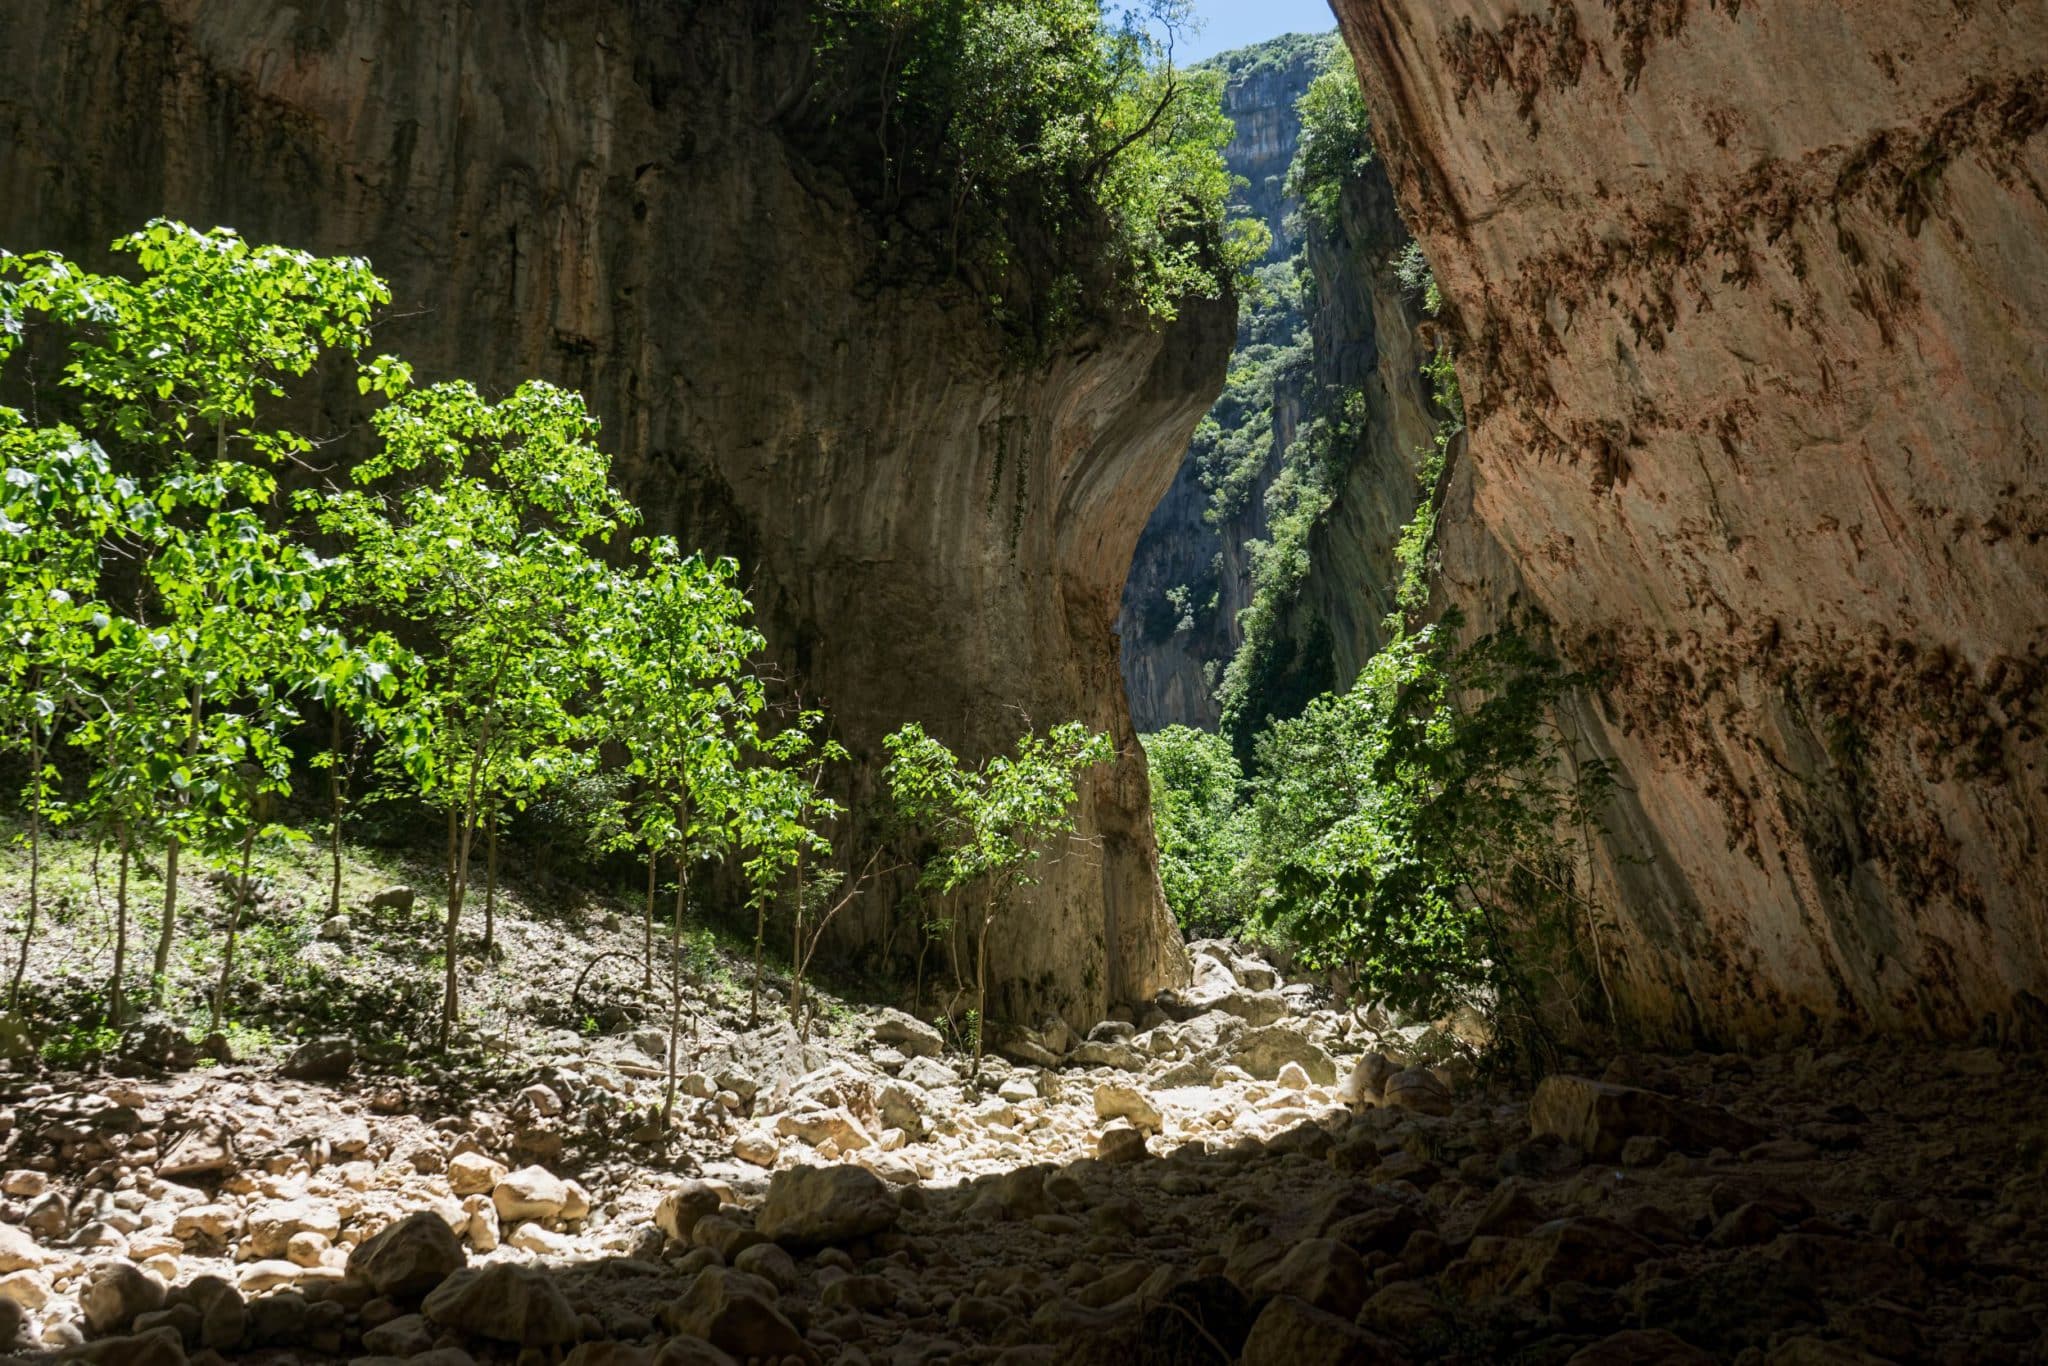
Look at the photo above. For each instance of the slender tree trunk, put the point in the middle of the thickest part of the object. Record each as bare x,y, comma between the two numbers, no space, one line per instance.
647,927
988,916
115,1002
334,792
798,961
675,977
227,962
35,863
459,888
491,883
166,932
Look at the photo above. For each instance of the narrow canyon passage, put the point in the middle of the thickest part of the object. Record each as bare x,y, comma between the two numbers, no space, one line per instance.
1377,699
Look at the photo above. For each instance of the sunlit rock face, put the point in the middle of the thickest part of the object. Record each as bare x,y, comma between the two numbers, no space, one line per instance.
603,194
1751,302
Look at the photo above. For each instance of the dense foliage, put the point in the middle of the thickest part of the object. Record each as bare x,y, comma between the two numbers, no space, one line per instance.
1197,790
1336,139
447,596
990,823
1416,828
1050,155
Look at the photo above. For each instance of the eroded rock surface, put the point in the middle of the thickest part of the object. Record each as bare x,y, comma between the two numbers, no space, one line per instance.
1749,301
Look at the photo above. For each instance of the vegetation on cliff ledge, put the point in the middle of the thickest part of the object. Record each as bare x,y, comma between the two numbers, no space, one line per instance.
1054,158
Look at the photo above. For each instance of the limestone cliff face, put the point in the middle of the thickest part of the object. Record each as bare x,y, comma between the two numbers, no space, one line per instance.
603,194
1751,301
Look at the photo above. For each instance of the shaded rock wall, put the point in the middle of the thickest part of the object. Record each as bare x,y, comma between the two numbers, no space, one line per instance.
603,194
1751,303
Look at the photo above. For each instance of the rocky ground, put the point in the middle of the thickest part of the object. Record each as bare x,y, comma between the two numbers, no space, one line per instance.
1238,1176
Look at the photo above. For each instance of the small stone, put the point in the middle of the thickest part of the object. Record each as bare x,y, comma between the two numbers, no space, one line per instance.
1292,1077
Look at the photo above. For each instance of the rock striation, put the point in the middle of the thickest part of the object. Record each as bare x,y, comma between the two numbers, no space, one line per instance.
611,196
1749,300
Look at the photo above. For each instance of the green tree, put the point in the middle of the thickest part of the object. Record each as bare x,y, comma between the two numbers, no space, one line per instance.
680,696
1336,139
168,374
781,804
991,821
1035,143
59,502
478,540
1200,825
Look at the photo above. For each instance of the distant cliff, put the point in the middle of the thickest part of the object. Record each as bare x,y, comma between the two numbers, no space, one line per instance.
1334,327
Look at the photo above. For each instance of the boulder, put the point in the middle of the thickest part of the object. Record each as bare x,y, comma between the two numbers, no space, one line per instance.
681,1208
1120,1143
736,1312
820,1206
400,899
929,1074
815,1124
1322,1272
272,1226
1263,1052
908,1034
18,1250
1291,1332
529,1193
327,1059
1367,1080
1591,1250
504,1303
1113,1100
114,1293
408,1258
1601,1117
1417,1089
473,1173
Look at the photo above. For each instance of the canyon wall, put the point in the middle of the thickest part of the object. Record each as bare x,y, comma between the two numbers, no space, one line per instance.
604,194
1752,308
